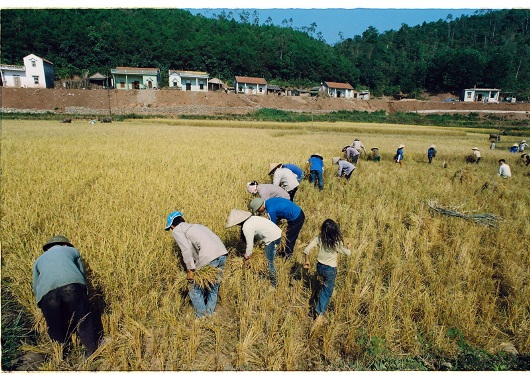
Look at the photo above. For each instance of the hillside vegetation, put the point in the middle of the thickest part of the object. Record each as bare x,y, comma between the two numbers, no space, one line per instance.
490,48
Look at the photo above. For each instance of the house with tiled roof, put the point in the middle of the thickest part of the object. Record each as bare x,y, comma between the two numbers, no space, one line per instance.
250,85
127,78
338,90
187,80
36,72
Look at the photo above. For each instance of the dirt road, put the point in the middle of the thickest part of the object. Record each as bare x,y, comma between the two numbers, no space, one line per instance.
173,102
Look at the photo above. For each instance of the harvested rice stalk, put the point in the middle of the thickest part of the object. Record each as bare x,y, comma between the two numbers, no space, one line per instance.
485,219
205,278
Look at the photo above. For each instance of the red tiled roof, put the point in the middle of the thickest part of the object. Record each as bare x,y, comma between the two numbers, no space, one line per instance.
337,85
253,80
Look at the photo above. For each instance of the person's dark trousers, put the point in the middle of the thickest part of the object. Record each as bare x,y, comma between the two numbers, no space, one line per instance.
291,235
65,309
355,159
349,175
316,177
292,193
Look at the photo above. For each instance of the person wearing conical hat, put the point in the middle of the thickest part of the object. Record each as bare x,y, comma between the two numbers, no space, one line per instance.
476,155
376,156
255,229
199,247
514,148
280,208
351,154
316,168
267,191
522,145
345,167
398,158
284,178
431,153
60,289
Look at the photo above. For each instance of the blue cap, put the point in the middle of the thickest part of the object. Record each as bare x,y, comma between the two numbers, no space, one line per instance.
172,217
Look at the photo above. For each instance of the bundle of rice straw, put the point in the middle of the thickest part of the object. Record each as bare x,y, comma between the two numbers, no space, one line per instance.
485,219
205,278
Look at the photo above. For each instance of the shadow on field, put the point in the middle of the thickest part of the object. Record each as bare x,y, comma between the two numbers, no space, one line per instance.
310,281
96,299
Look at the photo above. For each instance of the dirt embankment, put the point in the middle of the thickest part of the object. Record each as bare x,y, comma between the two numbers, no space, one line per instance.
174,102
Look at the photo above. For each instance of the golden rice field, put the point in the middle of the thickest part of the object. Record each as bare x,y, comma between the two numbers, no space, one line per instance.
412,278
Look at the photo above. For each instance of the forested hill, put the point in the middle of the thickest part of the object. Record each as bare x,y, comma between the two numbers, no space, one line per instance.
491,48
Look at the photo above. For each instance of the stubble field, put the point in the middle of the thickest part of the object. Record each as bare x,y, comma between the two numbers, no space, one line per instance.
417,284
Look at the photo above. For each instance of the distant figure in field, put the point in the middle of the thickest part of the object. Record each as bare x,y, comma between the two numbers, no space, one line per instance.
267,191
522,145
515,148
504,169
351,154
358,145
60,288
316,169
492,145
376,156
526,159
398,158
280,208
475,157
431,153
345,167
199,247
330,243
296,170
284,178
257,228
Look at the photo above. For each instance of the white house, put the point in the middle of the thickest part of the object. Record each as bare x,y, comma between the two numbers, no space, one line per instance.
188,80
338,90
126,78
250,85
36,72
480,95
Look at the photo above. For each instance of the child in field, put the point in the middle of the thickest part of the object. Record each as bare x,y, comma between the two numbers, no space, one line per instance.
316,168
257,228
199,247
330,244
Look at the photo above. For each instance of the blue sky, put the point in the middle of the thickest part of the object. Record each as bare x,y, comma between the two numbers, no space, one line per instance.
350,22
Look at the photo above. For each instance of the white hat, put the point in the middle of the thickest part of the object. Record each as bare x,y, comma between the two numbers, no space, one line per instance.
237,216
515,144
317,156
475,148
376,148
401,146
335,159
273,166
432,146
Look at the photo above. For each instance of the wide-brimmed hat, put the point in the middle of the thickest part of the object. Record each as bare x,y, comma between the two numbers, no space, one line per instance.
475,148
345,147
236,217
374,148
273,166
317,156
335,160
172,217
255,204
432,146
401,146
356,139
523,141
56,240
515,144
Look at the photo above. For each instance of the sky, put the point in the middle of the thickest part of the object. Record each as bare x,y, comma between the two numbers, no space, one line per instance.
349,22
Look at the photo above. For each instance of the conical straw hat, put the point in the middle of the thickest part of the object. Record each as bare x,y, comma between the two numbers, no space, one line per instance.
237,216
273,166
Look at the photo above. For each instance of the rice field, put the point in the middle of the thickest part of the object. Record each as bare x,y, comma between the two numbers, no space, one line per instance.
414,275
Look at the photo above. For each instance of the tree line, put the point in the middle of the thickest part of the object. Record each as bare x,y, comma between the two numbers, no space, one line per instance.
487,49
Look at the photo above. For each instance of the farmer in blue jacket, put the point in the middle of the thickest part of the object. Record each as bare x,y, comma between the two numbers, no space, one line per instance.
431,153
60,289
281,208
316,168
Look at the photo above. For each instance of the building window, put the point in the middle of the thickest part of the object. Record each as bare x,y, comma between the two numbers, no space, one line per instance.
261,89
175,83
36,80
201,86
469,94
33,63
122,84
